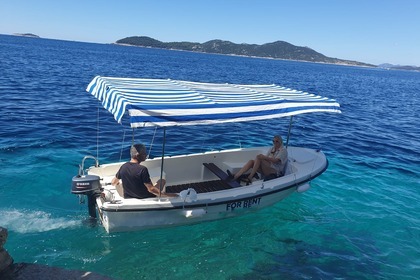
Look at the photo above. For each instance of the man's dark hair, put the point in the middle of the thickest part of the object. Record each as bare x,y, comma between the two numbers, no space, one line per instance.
137,149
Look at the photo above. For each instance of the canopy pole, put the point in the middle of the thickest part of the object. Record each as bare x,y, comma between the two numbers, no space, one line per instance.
288,132
161,164
97,134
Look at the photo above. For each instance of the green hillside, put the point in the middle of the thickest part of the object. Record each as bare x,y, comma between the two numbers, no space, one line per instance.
277,50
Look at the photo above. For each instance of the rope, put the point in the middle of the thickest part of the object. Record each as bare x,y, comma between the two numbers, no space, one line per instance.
288,131
151,144
237,135
122,145
202,142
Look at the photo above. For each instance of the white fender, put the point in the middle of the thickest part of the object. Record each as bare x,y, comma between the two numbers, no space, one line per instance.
303,188
189,195
194,213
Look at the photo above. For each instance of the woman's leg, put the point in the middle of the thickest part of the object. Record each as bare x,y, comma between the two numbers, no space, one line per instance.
263,166
255,167
244,169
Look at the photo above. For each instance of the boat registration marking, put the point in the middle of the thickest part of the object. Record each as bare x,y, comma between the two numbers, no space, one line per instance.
246,203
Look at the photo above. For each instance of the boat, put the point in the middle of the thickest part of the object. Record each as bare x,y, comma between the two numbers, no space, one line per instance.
205,190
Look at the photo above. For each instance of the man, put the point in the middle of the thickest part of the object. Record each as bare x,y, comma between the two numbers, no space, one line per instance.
135,177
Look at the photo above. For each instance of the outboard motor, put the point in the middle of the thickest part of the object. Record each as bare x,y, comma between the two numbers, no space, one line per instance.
88,185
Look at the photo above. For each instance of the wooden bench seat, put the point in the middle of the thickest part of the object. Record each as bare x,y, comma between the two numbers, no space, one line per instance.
221,174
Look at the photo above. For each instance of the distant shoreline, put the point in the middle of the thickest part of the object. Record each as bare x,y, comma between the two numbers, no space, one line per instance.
26,35
384,66
248,56
388,66
275,50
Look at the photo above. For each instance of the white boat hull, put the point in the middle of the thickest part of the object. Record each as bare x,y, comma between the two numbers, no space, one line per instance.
116,221
119,214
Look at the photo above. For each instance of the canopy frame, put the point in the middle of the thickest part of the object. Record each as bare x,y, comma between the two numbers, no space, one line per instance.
166,102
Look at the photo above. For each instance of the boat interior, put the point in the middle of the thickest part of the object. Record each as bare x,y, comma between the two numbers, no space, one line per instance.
204,172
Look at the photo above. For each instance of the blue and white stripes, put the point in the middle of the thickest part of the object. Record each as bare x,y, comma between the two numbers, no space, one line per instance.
159,102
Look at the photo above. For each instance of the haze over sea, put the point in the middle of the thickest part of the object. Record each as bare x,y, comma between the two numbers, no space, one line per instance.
360,219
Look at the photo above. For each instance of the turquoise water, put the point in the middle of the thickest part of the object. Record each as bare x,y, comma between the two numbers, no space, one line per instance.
360,219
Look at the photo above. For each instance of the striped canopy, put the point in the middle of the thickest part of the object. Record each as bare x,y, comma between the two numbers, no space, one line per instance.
165,102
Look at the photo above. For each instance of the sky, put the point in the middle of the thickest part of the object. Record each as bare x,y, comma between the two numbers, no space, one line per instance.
370,31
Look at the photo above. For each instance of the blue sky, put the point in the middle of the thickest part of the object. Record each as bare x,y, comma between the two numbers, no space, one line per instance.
372,31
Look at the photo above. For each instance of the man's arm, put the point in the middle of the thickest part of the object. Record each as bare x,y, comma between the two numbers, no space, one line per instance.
155,189
115,181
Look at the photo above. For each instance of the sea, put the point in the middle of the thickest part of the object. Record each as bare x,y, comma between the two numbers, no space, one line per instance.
359,220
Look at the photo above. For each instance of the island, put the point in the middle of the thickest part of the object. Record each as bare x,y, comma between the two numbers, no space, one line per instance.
274,50
389,66
26,35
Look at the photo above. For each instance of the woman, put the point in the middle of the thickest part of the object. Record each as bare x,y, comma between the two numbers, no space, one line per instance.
272,163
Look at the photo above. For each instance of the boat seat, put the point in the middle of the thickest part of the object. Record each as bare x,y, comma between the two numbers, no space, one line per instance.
120,190
286,170
154,174
221,174
234,167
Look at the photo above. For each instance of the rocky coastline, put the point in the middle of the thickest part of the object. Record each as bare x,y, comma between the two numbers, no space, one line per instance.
27,271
